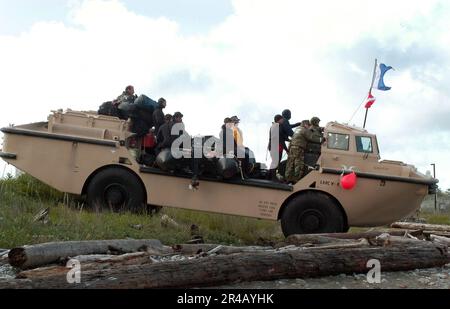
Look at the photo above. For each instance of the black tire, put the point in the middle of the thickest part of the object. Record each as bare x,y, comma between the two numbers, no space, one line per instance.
312,213
117,190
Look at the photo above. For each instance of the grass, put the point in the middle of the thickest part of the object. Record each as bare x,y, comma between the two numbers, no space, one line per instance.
23,197
436,218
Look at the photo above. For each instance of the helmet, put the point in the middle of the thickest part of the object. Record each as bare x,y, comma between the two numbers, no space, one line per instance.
178,115
315,121
306,123
286,114
235,119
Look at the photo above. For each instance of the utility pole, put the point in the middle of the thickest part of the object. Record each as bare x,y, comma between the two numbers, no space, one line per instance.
435,194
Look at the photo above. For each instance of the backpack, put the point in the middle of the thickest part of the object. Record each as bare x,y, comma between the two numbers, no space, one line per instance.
108,109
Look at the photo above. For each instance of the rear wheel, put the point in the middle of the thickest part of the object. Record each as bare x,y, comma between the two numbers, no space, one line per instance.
312,213
117,190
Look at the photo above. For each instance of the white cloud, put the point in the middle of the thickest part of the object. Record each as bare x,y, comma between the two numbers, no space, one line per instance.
311,57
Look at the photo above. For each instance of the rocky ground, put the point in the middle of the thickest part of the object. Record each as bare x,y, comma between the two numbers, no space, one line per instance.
431,278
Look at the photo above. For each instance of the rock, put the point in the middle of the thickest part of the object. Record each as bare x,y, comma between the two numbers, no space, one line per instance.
137,226
300,281
194,230
442,276
424,280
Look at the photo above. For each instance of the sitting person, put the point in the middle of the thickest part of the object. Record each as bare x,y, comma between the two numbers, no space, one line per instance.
166,138
159,135
243,154
227,143
127,96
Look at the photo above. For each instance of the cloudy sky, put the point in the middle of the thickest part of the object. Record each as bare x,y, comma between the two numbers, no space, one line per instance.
251,58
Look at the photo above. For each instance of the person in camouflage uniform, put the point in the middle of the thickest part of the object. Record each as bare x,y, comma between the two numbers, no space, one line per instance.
315,128
127,96
317,133
295,168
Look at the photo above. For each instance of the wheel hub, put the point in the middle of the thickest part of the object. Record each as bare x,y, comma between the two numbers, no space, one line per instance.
115,195
311,220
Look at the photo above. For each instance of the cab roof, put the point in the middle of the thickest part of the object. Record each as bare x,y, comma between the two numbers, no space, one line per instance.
345,128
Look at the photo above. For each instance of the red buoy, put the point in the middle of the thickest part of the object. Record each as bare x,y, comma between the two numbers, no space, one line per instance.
348,181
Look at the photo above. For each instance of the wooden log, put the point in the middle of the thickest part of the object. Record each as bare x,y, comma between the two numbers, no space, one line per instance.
374,233
15,284
421,226
437,233
90,262
386,239
251,266
440,239
47,253
315,239
127,258
191,249
353,244
4,257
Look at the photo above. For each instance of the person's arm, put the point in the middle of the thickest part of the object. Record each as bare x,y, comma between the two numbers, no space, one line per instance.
286,127
118,100
295,125
158,118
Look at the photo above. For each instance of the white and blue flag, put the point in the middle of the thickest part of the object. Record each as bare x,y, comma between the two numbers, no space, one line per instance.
379,79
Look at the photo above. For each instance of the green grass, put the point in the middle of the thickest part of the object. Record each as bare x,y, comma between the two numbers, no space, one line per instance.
436,218
23,197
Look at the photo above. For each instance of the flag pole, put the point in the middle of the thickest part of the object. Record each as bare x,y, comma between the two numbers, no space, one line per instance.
370,90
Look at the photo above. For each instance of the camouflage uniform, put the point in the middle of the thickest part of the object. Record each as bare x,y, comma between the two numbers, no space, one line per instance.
125,98
296,168
312,145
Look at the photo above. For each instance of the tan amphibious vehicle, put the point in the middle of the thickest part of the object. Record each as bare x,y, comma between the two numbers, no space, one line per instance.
91,155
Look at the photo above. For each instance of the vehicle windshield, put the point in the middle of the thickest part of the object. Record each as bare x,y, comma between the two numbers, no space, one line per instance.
338,141
364,144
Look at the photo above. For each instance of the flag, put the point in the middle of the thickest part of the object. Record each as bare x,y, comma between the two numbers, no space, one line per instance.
379,79
369,101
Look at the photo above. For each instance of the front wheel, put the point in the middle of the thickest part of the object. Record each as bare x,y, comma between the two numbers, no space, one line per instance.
312,213
116,189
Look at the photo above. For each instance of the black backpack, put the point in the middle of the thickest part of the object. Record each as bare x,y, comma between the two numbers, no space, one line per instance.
109,109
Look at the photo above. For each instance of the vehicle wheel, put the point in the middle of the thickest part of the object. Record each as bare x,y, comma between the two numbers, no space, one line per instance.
117,190
312,213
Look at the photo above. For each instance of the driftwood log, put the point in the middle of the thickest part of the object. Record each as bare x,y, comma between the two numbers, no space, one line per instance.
373,233
246,266
47,253
189,249
317,239
4,257
421,226
440,239
438,233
